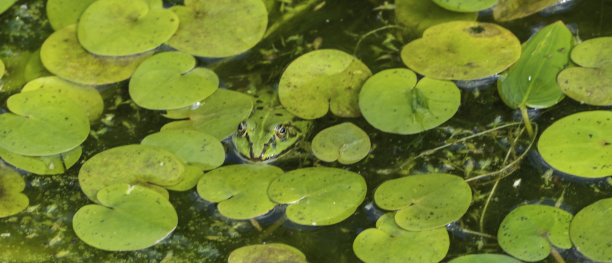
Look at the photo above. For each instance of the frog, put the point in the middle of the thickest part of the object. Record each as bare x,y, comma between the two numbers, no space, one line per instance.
271,132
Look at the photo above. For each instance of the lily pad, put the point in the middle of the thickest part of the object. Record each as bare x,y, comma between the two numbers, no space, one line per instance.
240,190
120,28
484,258
507,10
43,165
272,252
390,243
190,146
130,217
590,230
87,97
34,68
191,176
425,201
528,231
592,82
418,15
14,70
323,80
168,80
465,5
318,195
218,28
12,201
344,142
63,56
42,123
462,50
579,144
131,164
392,103
532,80
62,13
219,114
6,4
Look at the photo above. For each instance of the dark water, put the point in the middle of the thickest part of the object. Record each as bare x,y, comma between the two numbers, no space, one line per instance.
43,233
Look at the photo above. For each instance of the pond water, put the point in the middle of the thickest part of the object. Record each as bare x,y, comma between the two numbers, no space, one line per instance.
44,233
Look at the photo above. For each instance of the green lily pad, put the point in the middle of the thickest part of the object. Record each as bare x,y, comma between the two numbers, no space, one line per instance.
465,5
62,13
318,196
507,10
190,146
120,28
391,244
418,15
344,142
323,80
130,217
272,252
87,97
12,201
462,50
43,165
34,68
131,164
168,80
579,144
219,114
590,230
218,28
392,103
6,4
425,201
240,190
191,176
532,80
591,83
528,231
485,258
42,123
63,56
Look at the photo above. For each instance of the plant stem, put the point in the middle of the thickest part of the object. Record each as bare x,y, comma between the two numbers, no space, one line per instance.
364,36
526,120
558,258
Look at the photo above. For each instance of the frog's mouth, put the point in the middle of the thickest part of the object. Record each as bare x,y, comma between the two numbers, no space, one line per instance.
261,158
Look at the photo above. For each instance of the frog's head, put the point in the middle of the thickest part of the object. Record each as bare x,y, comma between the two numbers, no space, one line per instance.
267,135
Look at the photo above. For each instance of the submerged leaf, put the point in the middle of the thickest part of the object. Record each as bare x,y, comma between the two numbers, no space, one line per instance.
12,201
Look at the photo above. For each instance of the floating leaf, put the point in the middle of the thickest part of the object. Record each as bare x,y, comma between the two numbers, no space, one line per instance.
425,201
43,165
272,252
418,15
240,190
344,142
120,28
42,123
190,146
218,28
389,243
528,231
465,5
507,10
191,176
131,164
62,13
34,67
532,80
168,80
590,230
579,144
462,50
323,80
484,258
318,195
591,83
63,56
219,114
5,5
130,217
12,201
392,103
87,97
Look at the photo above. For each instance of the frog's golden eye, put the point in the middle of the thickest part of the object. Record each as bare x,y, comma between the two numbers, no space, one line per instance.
280,132
241,131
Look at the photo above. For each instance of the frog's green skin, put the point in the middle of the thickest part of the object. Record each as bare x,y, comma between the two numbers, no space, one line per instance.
270,132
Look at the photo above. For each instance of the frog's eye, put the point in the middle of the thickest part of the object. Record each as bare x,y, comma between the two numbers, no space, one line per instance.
241,131
280,132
